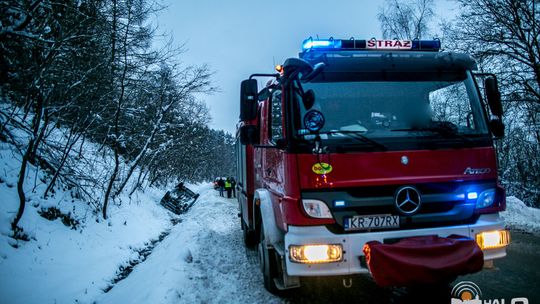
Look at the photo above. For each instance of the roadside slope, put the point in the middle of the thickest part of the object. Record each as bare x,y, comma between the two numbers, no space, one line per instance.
203,260
68,261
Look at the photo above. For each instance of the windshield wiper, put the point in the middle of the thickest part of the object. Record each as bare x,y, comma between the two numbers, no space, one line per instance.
357,135
445,129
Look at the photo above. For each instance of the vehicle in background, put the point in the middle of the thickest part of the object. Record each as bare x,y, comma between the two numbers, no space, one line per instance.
180,199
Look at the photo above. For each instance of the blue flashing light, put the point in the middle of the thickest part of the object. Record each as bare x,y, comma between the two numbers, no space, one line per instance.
472,195
316,43
372,44
311,43
339,203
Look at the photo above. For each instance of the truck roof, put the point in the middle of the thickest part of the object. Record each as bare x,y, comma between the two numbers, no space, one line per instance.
397,61
350,56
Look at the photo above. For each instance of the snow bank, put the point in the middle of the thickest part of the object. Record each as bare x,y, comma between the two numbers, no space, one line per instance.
520,216
59,264
202,260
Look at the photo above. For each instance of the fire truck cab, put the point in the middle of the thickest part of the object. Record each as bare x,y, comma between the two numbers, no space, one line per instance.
365,153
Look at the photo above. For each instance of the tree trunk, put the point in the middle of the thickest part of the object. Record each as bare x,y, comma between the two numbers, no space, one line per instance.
139,183
118,106
111,182
24,163
68,147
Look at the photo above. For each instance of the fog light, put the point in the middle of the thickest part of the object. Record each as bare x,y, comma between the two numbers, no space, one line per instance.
315,254
493,239
472,195
316,208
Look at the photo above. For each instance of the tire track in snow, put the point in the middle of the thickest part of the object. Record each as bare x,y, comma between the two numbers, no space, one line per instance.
226,272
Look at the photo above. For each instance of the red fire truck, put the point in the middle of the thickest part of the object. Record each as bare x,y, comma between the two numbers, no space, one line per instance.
371,157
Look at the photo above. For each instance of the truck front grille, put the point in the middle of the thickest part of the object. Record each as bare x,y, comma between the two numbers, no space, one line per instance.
443,204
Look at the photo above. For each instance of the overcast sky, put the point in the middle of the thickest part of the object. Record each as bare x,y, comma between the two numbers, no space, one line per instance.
237,38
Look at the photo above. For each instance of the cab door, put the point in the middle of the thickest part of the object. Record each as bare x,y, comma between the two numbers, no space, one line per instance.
272,155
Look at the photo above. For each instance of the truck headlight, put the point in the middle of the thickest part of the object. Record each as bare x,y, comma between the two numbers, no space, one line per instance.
315,254
316,208
485,199
493,239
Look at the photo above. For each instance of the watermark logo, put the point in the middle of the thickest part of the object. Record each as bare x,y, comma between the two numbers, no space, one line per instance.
467,292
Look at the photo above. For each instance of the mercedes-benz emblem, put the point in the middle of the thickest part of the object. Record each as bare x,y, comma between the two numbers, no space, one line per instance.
408,200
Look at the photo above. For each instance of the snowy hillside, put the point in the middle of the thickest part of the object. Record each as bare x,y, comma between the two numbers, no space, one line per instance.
202,259
68,264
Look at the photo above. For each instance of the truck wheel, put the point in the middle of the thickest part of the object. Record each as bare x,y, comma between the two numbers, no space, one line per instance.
250,239
267,263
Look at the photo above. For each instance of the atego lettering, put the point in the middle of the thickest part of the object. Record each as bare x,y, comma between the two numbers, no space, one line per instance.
475,171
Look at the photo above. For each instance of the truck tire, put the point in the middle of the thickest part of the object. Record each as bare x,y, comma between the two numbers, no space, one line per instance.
250,236
267,263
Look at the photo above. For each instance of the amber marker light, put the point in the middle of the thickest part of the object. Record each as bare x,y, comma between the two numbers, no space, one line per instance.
493,239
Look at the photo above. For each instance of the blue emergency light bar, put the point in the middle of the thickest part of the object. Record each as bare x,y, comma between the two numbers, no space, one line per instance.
311,44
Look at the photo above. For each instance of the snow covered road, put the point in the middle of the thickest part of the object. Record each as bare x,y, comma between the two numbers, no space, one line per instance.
203,260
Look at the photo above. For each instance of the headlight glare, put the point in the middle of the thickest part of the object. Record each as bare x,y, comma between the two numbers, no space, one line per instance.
315,254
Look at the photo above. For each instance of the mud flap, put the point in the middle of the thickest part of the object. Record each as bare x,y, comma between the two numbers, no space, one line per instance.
423,260
284,281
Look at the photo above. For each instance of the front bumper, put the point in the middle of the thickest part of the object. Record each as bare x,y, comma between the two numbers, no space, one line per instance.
353,243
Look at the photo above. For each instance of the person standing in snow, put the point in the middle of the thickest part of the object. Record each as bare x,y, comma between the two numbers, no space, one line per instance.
221,185
228,187
233,186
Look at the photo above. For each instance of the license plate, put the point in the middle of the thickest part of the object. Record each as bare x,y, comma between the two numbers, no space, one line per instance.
368,222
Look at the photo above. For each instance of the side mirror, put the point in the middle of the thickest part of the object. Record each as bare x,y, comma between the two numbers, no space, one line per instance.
493,96
497,128
249,135
248,99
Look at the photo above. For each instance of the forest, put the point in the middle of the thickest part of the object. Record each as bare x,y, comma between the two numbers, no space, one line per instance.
97,71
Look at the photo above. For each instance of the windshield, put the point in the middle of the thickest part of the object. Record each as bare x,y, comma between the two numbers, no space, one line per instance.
387,111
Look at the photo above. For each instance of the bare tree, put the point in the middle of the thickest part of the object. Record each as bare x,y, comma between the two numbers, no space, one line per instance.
34,28
406,19
76,73
503,35
173,89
